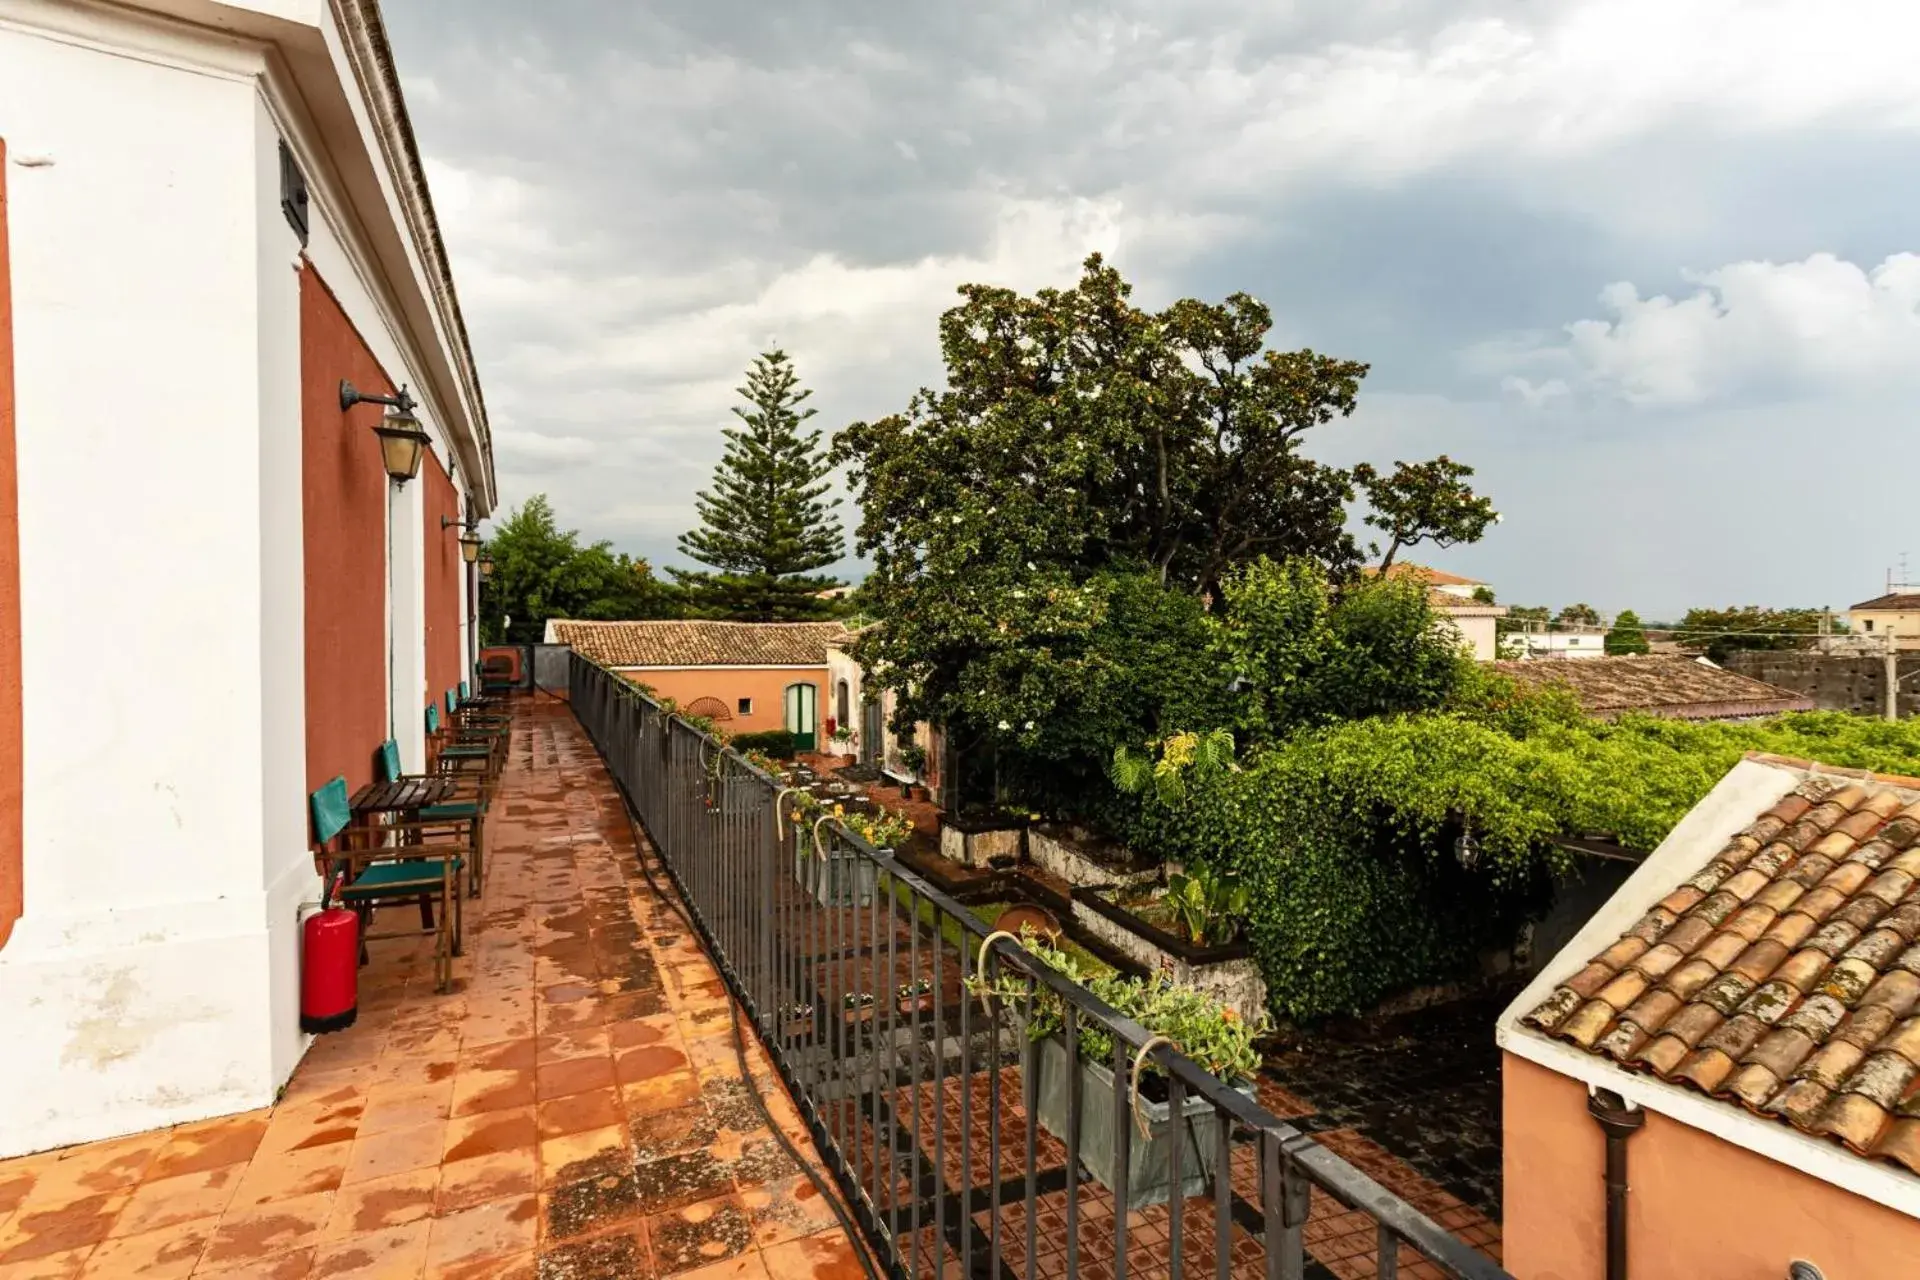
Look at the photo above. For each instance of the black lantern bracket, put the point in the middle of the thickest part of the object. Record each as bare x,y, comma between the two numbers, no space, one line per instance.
351,396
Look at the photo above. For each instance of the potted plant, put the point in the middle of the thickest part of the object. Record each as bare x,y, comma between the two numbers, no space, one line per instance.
913,758
840,875
1213,1035
842,736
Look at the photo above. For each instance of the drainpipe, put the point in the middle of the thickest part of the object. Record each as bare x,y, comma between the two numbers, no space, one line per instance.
1618,1121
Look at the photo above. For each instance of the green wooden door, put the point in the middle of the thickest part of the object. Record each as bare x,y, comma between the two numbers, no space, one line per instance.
802,714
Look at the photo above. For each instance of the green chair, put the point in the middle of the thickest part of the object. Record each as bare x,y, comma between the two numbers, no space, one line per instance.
392,863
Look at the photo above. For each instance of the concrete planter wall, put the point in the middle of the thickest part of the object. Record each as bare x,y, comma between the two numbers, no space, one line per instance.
1227,973
1149,1159
1056,851
979,844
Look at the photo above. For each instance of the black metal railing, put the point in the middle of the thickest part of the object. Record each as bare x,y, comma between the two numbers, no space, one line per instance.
966,1148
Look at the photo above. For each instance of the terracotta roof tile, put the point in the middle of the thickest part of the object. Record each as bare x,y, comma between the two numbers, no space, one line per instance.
699,644
1895,602
1783,976
1677,687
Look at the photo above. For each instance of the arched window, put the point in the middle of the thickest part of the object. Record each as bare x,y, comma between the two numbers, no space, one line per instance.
843,704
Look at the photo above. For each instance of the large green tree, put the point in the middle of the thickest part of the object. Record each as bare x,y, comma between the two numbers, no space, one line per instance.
1424,502
541,572
1627,635
1084,455
1723,631
766,523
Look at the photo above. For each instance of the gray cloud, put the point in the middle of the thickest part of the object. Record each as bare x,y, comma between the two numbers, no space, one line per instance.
639,197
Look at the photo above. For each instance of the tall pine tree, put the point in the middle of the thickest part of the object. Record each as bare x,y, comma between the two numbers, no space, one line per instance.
765,523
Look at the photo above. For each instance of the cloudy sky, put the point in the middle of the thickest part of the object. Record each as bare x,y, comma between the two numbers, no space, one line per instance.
1649,266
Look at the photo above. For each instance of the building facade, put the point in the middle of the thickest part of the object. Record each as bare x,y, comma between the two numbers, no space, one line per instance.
747,677
1895,616
212,596
1738,1024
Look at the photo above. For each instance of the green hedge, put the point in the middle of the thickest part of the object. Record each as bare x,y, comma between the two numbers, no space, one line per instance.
1347,835
778,743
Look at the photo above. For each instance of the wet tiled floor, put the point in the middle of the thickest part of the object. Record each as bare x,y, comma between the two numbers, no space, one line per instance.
573,1109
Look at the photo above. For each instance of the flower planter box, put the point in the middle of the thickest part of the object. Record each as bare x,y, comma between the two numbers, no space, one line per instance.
844,878
1227,973
981,843
1149,1159
1083,859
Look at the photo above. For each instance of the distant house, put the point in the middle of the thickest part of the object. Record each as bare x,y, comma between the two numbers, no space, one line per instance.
746,676
1728,1049
1895,614
1680,688
1452,597
1555,642
867,715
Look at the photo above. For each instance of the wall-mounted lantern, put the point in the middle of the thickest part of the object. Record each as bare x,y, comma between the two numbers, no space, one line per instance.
469,538
486,566
402,442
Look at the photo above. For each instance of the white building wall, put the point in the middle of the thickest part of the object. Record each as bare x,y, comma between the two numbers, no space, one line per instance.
137,989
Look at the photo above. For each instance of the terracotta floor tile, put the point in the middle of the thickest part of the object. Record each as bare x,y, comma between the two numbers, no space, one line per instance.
574,1075
494,1229
209,1145
466,1183
490,1132
396,1151
38,1231
360,1208
93,1169
293,1265
398,1253
661,1093
786,1210
618,1255
166,1201
746,1266
478,1091
292,1174
523,1266
826,1256
167,1254
52,1266
594,1109
590,1152
509,1055
590,1042
261,1231
698,1235
401,1106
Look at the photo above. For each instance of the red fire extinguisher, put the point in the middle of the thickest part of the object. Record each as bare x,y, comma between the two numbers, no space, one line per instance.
329,968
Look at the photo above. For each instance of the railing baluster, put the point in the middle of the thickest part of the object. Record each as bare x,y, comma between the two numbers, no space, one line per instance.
1122,1152
1177,1141
1386,1254
1223,1197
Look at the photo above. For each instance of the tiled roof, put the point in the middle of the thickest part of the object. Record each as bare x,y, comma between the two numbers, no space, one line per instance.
1462,606
1784,975
1432,577
1898,602
698,644
1664,685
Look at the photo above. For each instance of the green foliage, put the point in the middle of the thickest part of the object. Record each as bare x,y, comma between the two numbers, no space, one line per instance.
1047,530
914,757
1133,772
1210,1033
1578,615
1424,502
778,743
1346,835
1627,635
1207,903
883,828
540,572
1723,631
765,523
1312,658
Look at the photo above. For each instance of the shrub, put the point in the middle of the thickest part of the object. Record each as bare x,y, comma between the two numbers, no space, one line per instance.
1346,836
778,743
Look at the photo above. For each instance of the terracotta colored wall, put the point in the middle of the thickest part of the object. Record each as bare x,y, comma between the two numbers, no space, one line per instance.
767,688
445,668
11,887
344,490
1700,1208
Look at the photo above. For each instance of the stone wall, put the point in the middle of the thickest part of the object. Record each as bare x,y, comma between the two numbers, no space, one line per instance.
1836,682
